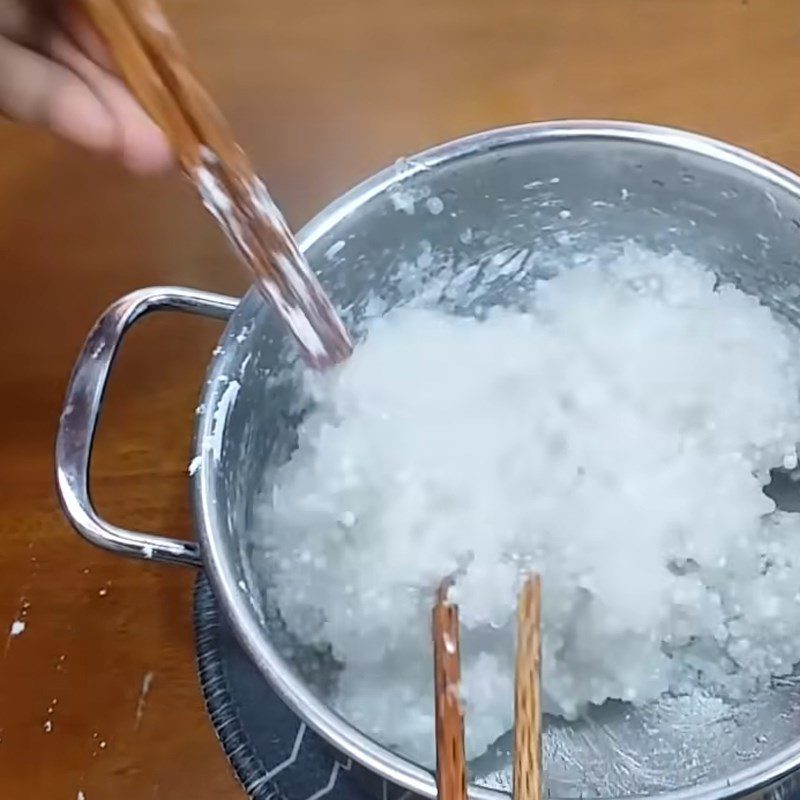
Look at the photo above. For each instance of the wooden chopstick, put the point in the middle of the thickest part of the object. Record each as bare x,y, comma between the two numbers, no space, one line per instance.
451,763
527,694
140,73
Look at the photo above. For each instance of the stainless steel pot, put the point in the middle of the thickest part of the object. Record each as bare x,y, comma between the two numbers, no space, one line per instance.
546,194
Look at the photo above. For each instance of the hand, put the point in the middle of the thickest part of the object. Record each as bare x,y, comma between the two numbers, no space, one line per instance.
55,72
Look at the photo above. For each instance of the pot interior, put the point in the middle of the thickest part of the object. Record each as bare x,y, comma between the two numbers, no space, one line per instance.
539,201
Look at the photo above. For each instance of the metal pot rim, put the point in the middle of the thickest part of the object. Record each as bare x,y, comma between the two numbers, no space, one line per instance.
235,602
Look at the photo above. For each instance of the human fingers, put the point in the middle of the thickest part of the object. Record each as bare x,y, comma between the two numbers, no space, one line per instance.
37,90
140,144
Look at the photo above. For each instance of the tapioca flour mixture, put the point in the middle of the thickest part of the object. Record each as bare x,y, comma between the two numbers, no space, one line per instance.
616,438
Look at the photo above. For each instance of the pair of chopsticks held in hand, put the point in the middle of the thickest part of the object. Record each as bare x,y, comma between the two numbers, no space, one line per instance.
451,766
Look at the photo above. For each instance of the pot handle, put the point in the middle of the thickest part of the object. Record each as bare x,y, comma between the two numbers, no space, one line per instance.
82,410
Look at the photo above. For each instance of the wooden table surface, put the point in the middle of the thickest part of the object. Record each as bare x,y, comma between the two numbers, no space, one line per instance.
322,92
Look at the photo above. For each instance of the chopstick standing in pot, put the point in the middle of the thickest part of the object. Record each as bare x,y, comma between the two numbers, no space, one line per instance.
527,694
451,763
451,766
